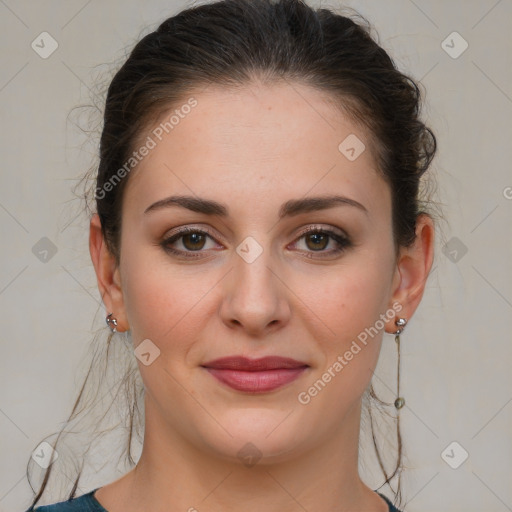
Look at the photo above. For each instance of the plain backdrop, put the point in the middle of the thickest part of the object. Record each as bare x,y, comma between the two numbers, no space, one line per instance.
456,350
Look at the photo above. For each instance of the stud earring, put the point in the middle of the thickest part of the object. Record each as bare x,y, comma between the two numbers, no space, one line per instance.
111,322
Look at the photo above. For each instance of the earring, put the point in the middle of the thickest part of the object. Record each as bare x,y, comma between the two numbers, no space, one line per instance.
400,323
111,322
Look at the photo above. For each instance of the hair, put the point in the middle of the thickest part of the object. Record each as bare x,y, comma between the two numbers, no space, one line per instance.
233,43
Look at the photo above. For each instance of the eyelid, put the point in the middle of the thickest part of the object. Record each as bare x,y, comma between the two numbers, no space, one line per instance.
319,227
183,230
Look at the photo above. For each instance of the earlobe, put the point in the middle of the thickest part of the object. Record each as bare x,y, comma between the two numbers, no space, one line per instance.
413,267
107,274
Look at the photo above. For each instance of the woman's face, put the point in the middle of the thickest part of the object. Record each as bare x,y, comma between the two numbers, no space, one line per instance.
250,281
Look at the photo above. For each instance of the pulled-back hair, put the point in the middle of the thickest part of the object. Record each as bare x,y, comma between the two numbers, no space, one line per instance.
233,43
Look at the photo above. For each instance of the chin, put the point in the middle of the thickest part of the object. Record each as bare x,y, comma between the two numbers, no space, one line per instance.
262,435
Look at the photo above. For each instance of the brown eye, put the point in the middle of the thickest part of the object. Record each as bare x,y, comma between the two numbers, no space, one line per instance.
193,241
319,241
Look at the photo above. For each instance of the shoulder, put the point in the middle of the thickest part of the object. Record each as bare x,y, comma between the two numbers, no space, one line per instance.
392,507
84,503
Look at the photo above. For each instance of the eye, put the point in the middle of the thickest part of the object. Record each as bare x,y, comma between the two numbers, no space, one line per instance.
317,239
192,239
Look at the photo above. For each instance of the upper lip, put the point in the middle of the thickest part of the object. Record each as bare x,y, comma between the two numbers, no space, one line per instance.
246,364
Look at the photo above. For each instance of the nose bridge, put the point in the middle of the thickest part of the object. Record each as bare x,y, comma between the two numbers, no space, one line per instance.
252,272
256,297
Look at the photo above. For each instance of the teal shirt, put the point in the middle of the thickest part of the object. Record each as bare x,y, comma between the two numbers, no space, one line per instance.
88,503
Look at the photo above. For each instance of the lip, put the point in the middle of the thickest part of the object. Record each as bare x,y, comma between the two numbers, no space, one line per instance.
255,375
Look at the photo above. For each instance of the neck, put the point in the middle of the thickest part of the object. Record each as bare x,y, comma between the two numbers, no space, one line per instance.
175,474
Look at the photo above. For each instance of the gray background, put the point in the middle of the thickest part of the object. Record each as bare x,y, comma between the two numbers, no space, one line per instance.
456,351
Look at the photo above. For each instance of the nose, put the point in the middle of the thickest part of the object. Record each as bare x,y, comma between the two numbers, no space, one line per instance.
255,296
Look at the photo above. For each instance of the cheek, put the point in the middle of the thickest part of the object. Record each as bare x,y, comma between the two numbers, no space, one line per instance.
161,299
152,297
349,303
346,300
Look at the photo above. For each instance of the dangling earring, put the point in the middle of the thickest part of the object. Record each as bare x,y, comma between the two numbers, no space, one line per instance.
400,323
111,322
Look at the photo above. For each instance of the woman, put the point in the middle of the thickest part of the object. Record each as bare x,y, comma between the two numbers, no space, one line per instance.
258,230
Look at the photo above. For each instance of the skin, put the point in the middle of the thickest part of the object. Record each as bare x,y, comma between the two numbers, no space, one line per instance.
253,149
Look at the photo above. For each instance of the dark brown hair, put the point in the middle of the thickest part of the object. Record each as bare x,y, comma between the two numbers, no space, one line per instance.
231,43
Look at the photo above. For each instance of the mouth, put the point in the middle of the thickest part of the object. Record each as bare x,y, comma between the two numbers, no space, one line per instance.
255,375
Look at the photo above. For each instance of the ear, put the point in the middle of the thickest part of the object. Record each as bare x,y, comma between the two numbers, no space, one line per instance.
412,270
107,274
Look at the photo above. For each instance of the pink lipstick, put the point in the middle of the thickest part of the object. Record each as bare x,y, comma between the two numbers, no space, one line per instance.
255,375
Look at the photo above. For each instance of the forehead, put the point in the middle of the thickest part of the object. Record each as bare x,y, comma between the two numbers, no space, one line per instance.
259,142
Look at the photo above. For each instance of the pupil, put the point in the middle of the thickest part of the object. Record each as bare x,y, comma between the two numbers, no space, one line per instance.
195,237
317,237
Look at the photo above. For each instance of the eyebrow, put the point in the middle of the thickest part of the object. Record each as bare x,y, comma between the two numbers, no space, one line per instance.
288,209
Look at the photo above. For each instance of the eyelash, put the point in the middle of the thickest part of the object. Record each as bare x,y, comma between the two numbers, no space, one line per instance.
342,241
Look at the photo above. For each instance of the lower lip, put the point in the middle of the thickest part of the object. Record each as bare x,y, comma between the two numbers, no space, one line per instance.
257,382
